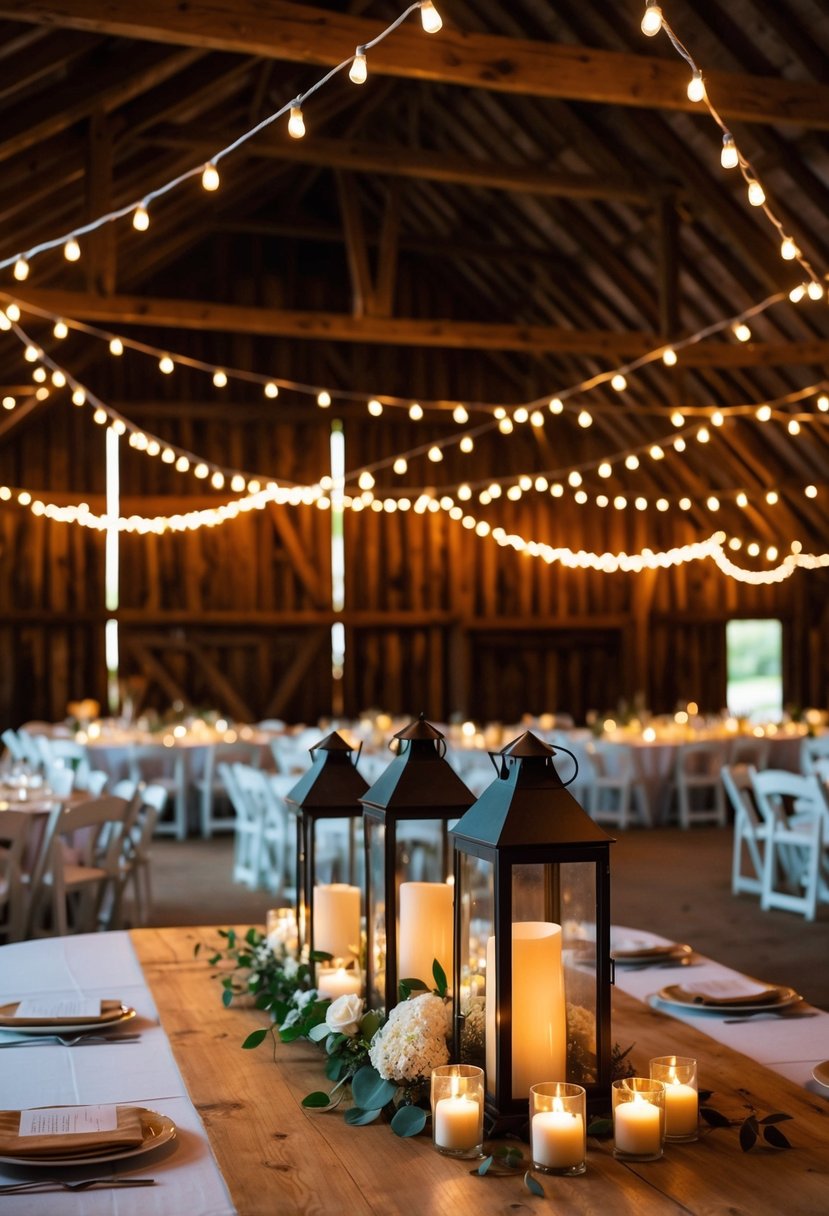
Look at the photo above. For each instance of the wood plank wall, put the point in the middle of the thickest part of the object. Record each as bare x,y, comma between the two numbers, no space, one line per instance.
437,619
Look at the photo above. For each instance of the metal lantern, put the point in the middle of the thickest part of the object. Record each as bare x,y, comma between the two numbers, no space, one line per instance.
406,816
329,790
532,974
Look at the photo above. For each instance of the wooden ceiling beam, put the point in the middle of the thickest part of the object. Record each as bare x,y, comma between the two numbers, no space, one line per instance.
302,34
353,155
403,331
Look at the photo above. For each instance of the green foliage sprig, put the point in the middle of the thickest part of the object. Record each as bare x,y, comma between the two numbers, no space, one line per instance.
751,1129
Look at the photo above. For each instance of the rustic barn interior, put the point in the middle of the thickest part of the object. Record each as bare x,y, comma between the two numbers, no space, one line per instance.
515,206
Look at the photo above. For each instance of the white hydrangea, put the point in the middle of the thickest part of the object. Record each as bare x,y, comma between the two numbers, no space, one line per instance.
413,1040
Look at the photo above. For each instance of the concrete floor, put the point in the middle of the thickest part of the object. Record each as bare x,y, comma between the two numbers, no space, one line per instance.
672,882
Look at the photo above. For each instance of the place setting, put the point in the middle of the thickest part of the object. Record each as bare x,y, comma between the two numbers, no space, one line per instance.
734,994
65,1021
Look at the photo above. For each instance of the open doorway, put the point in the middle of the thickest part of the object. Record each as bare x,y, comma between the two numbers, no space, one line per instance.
755,668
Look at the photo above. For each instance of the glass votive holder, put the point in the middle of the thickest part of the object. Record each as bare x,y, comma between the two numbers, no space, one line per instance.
458,1110
558,1128
638,1118
679,1076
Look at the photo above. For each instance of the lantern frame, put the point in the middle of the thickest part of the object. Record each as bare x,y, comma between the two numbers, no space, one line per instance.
418,785
527,817
330,789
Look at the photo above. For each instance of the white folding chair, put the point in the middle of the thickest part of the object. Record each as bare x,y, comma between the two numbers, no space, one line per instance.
700,797
134,867
156,764
615,792
248,825
750,829
79,874
749,749
291,755
796,868
14,828
211,788
276,869
814,751
13,744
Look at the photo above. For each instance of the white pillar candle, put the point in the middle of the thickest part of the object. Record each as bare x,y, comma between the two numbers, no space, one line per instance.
636,1127
558,1139
457,1123
426,910
336,981
337,920
681,1109
539,1015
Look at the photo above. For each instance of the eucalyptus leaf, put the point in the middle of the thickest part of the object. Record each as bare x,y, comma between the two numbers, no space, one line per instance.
409,1121
197,950
252,937
748,1136
370,1024
254,1038
776,1118
533,1185
713,1117
335,1069
483,1168
358,1117
214,959
441,983
320,956
600,1127
227,997
317,1099
370,1091
289,1034
317,1033
775,1137
415,985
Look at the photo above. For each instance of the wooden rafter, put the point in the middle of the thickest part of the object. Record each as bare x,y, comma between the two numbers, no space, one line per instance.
406,331
303,34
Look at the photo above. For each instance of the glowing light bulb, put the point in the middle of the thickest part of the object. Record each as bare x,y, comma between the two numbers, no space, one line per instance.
21,269
505,426
605,469
556,489
140,218
168,456
655,452
201,471
166,365
717,418
585,419
619,383
696,86
467,444
182,464
61,330
119,426
741,331
358,72
620,502
323,399
815,290
735,543
703,435
652,20
742,499
823,403
71,250
556,405
271,390
574,478
788,249
237,483
296,123
771,554
713,503
662,504
772,497
219,378
42,393
31,354
154,447
499,412
536,418
435,454
685,504
39,375
753,549
669,356
116,347
101,417
430,18
58,378
9,403
365,481
521,415
602,500
525,481
810,491
415,412
729,157
210,177
375,408
677,419
763,413
632,461
541,484
12,312
797,293
514,493
793,427
460,415
756,193
581,497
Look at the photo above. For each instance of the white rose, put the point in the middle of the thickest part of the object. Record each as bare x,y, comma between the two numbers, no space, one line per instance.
343,1015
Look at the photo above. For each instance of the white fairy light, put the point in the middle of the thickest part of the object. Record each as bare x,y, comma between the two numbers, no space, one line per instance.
210,177
358,72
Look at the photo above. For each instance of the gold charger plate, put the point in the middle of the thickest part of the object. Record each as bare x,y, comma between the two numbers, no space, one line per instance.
113,1013
156,1130
676,995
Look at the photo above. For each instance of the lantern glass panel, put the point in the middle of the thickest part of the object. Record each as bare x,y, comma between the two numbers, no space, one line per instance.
375,835
421,846
477,929
578,885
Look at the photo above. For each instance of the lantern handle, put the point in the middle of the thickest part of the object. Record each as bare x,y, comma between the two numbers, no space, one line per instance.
558,748
359,752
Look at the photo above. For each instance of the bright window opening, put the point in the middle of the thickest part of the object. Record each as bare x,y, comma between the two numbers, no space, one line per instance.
755,669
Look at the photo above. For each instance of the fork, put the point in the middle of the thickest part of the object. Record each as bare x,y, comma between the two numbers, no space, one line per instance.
56,1184
74,1040
768,1016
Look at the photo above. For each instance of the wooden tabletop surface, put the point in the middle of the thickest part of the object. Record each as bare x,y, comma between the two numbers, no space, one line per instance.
278,1158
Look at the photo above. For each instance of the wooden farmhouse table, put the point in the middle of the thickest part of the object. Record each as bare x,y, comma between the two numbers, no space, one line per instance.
277,1158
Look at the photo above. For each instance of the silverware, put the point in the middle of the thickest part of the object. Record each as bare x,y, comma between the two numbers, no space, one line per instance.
768,1015
55,1184
74,1040
677,962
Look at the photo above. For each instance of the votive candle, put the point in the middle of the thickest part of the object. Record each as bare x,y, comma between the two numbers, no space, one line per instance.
638,1118
679,1076
458,1109
337,981
557,1127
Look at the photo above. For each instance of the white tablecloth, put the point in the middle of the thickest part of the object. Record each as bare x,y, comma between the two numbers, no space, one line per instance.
142,1073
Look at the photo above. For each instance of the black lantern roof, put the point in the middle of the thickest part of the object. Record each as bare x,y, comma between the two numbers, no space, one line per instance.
513,810
419,778
332,781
